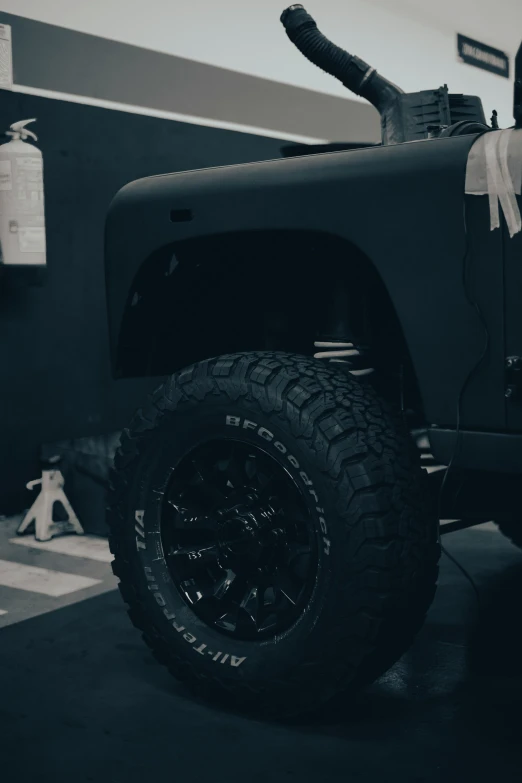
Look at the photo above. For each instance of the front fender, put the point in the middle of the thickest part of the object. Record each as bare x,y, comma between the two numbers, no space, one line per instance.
402,206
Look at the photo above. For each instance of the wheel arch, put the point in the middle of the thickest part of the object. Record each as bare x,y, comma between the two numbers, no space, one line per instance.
251,291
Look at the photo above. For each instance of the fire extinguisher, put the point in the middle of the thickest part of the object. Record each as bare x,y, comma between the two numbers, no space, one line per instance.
22,216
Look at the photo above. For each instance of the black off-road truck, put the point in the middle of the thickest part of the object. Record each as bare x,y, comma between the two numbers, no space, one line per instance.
341,335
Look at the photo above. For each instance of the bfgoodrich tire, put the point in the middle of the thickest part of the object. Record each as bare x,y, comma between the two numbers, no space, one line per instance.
270,531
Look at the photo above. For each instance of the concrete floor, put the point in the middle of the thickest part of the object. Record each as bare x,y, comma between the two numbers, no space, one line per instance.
39,577
82,700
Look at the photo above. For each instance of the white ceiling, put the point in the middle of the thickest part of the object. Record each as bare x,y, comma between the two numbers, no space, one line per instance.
502,19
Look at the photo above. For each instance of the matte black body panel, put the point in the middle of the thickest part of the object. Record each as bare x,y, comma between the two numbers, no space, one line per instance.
513,314
402,206
478,451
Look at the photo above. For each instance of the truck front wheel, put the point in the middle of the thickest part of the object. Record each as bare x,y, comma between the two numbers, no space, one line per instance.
270,531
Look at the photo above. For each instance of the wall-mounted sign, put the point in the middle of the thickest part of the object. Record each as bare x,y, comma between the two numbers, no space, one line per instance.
483,56
6,58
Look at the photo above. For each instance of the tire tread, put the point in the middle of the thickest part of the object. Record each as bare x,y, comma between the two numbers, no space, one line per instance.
395,550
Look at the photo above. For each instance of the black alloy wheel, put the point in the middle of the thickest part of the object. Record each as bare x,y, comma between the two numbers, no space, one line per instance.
239,540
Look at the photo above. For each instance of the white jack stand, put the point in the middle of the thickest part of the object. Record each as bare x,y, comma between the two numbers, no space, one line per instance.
41,512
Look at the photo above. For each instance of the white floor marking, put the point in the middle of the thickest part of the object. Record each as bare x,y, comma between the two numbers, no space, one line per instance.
3,611
41,580
89,547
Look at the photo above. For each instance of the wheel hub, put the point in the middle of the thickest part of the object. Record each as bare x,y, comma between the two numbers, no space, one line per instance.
248,537
239,544
239,535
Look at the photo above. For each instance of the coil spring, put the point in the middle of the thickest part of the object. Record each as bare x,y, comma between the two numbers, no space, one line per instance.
428,461
344,353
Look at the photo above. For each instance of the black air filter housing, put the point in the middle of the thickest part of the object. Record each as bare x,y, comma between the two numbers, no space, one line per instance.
413,113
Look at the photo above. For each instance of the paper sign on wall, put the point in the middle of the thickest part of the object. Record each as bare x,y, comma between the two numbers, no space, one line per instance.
6,58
